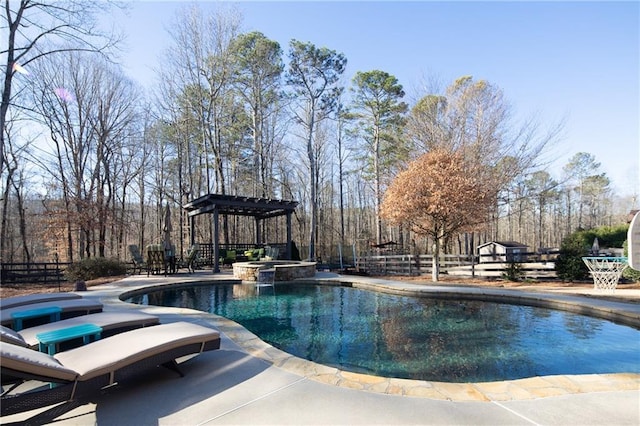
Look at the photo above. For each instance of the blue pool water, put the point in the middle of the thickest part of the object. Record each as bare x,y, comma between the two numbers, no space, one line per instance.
416,338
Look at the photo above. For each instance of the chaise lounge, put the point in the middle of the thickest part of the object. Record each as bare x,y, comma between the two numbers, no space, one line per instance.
112,322
36,313
29,299
79,374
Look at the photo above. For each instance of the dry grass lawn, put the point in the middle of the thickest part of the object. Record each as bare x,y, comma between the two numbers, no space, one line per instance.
10,290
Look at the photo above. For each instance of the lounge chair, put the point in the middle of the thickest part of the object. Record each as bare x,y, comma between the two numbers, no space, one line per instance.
67,309
79,374
112,322
192,257
137,259
12,302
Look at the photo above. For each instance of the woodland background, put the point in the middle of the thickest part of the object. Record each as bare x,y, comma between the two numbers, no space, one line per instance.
89,161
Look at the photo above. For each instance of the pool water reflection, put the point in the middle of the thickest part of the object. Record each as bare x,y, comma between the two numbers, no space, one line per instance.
416,338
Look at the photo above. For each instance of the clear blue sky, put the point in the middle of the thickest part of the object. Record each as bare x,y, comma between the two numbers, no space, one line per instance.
577,61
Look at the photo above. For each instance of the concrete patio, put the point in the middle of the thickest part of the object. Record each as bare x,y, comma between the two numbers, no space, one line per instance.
250,382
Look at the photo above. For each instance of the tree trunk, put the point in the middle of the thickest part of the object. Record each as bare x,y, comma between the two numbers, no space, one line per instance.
22,221
314,187
435,263
5,209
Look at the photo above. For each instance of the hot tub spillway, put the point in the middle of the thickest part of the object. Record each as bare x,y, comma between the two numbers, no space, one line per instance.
284,270
266,277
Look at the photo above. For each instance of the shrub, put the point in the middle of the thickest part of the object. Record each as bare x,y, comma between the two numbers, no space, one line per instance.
569,264
513,271
95,267
631,274
611,236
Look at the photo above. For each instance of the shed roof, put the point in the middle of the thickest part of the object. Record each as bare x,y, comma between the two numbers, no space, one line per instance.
241,206
508,244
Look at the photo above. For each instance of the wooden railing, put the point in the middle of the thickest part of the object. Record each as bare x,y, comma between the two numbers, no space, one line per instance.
35,272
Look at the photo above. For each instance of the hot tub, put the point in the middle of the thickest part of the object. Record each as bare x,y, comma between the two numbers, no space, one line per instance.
286,270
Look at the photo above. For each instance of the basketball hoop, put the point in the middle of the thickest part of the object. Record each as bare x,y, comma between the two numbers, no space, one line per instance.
606,271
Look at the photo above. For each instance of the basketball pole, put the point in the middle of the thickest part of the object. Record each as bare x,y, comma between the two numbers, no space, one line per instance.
633,242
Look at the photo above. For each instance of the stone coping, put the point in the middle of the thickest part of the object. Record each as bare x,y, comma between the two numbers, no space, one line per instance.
507,390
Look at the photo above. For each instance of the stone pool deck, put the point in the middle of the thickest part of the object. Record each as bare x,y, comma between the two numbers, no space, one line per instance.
249,382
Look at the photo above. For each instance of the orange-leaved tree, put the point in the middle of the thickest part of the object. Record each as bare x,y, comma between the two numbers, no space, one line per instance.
440,194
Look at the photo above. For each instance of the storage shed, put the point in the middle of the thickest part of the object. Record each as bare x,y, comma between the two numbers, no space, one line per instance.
502,251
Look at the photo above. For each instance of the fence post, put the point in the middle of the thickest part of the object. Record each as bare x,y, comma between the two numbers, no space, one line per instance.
473,265
57,269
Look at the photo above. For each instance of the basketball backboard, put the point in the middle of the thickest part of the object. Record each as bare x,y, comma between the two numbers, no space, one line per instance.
633,242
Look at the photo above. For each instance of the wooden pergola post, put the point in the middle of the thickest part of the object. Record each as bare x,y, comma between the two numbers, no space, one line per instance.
216,241
258,235
289,248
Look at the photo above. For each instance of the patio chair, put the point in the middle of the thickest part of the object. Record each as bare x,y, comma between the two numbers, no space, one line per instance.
112,322
39,313
170,264
192,257
271,253
155,259
137,259
73,378
12,302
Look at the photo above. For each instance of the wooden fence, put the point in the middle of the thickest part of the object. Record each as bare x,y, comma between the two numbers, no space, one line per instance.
459,265
39,272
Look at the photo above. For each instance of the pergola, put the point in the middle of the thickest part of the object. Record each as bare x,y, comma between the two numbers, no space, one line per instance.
258,208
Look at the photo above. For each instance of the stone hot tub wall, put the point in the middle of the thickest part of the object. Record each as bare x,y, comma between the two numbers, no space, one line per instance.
285,270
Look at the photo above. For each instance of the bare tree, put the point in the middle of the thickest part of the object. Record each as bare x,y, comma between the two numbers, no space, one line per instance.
596,197
200,61
542,190
88,116
35,29
341,114
474,117
14,185
113,115
579,168
200,103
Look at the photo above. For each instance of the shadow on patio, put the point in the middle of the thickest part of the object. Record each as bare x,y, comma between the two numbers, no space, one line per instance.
163,394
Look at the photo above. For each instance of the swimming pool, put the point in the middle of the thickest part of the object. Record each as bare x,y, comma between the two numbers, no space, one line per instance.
414,337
